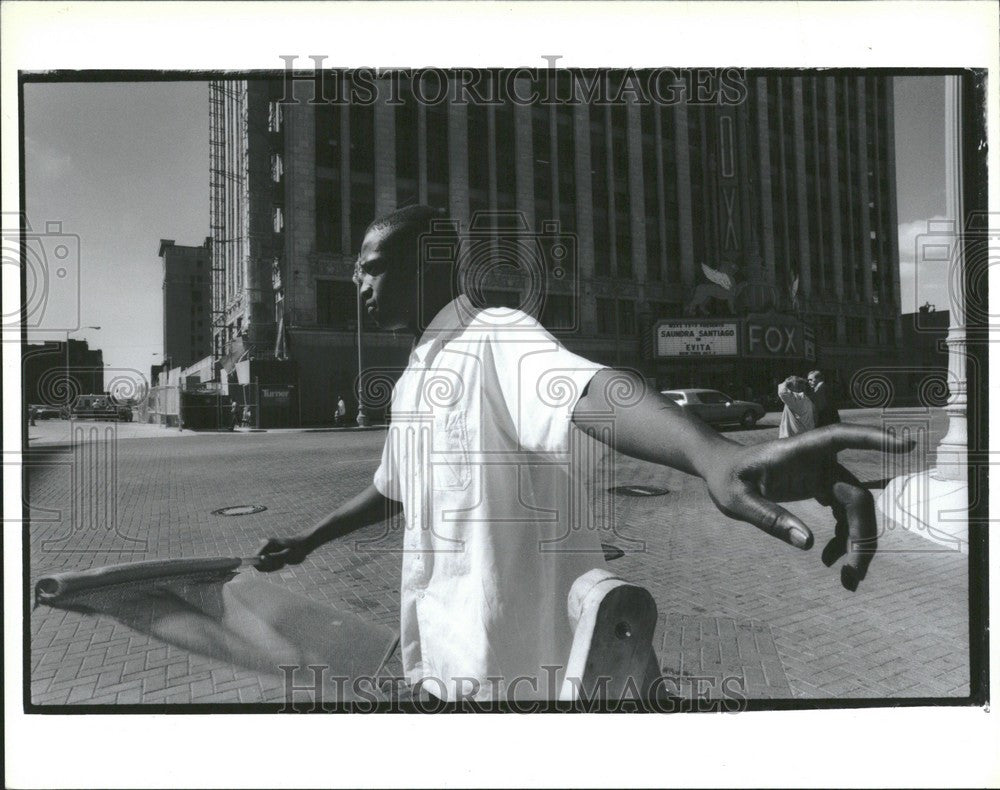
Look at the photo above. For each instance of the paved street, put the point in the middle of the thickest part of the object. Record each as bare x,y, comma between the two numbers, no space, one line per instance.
732,602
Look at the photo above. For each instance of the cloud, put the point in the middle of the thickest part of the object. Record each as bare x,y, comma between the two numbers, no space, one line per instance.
41,159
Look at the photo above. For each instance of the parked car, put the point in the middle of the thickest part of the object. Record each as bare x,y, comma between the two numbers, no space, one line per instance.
716,407
43,412
99,407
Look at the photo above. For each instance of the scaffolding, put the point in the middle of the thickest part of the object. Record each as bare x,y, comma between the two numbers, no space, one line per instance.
227,202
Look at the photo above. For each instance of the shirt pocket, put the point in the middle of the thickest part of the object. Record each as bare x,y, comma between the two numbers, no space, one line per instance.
453,469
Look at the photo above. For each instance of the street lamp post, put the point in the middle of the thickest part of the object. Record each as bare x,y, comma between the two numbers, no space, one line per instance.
362,419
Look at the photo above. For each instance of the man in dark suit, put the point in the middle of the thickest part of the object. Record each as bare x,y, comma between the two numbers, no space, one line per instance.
826,411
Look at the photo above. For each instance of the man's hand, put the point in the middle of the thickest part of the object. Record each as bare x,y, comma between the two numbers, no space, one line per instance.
368,507
747,483
276,553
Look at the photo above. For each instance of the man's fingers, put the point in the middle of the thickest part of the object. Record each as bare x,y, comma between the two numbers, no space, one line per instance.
772,519
862,437
271,556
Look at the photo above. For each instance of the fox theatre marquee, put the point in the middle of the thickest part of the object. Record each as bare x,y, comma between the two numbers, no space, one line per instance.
750,353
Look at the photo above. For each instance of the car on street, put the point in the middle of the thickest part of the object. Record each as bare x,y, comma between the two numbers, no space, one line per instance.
99,407
717,408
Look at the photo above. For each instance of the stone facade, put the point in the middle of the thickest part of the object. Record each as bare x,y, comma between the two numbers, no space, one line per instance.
790,191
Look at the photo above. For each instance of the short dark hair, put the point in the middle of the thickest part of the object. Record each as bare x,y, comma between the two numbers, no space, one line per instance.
408,222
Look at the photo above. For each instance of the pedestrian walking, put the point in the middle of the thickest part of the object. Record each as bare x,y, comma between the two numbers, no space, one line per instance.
798,415
485,571
340,416
234,415
822,398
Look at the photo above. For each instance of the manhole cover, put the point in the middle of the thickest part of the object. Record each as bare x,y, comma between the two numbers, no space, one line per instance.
611,552
638,491
239,510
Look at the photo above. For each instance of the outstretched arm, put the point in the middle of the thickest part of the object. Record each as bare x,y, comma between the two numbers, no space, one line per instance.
368,507
652,429
745,482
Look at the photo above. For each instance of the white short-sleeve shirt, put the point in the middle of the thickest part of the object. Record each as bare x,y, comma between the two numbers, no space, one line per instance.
494,481
798,415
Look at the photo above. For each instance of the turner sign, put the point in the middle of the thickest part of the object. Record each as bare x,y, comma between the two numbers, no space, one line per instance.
697,339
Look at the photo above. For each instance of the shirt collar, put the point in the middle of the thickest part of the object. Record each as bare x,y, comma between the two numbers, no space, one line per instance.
452,318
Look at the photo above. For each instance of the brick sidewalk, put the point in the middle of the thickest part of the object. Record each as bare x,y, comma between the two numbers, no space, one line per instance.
733,603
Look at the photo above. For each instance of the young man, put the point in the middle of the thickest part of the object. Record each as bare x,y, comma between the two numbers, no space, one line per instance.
826,411
493,436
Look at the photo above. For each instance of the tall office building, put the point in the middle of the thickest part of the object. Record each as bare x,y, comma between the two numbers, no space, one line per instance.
719,229
187,294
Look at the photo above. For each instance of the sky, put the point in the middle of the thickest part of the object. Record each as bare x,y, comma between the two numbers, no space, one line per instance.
123,165
920,186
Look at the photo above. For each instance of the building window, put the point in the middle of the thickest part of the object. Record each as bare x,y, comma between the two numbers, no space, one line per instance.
886,329
362,198
651,194
362,212
506,156
328,233
619,160
626,317
566,150
336,304
826,329
605,316
557,314
856,335
279,219
437,154
541,141
362,122
274,117
277,170
479,154
328,135
623,246
654,273
599,194
407,146
622,202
